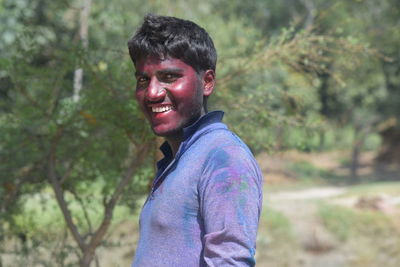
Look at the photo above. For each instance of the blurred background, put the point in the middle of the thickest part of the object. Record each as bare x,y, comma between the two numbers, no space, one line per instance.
312,86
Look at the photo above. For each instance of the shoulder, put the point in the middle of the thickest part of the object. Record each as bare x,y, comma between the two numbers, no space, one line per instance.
226,153
217,149
223,145
219,136
230,171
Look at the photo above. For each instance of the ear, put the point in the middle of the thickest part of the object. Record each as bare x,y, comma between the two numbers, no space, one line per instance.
208,82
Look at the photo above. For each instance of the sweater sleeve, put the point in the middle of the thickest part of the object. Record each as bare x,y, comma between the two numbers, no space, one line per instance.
230,201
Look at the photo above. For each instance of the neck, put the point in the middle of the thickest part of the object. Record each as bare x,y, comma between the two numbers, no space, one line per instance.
174,143
175,140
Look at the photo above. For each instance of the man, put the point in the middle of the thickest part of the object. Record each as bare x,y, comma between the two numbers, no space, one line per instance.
205,201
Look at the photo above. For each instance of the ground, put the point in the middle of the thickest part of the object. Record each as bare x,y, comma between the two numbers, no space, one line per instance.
311,243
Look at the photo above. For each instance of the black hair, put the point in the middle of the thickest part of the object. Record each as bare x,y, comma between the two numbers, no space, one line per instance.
162,36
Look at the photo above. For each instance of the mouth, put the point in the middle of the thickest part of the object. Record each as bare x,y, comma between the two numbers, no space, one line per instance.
161,109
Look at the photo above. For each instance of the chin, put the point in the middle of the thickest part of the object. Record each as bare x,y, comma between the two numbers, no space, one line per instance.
165,133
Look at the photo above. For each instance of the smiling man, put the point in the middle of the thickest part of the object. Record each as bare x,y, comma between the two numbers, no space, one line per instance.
205,201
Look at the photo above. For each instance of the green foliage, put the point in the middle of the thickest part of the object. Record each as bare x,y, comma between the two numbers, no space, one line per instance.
348,223
291,74
40,215
371,189
275,238
363,231
86,143
308,172
277,225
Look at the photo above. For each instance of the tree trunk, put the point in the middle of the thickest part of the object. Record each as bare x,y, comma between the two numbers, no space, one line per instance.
389,152
355,153
360,134
86,259
355,159
83,37
310,7
321,145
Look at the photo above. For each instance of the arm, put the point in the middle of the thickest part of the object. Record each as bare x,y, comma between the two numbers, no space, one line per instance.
230,202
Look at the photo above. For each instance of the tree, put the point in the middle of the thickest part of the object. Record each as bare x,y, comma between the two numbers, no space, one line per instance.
284,68
53,138
370,94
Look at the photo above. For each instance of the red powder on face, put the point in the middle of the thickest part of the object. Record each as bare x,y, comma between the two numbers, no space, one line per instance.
170,94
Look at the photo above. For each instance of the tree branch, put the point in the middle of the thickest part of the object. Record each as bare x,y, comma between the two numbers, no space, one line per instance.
59,192
74,161
137,160
85,212
21,176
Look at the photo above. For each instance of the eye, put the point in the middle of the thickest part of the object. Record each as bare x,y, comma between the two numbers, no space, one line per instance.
168,77
141,80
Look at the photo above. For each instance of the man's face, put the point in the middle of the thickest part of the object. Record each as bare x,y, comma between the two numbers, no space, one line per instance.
170,94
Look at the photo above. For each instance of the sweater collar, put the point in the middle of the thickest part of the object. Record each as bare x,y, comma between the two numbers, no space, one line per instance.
202,122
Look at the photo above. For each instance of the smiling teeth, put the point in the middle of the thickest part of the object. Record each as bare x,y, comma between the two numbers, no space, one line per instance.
161,109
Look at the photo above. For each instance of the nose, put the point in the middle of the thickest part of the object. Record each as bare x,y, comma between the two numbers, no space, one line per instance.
155,92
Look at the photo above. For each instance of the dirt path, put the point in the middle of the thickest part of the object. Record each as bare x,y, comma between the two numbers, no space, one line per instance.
318,247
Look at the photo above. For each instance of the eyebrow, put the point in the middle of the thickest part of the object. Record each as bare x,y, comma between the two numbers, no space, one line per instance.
170,70
164,71
138,73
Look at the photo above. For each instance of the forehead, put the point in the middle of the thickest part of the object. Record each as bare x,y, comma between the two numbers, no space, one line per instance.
150,64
